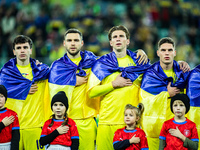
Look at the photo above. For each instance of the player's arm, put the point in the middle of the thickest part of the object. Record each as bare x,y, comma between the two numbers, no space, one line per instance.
143,58
191,144
15,139
100,90
75,144
1,126
121,144
49,138
184,66
162,144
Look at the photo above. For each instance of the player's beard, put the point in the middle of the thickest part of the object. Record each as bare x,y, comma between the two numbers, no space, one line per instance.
73,54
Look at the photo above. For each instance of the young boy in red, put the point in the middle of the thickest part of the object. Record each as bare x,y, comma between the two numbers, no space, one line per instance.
179,133
9,124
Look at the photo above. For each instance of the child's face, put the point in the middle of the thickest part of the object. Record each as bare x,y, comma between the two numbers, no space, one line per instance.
130,117
179,108
59,110
2,101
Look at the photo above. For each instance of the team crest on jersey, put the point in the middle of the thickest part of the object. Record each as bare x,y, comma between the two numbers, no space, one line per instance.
187,133
25,74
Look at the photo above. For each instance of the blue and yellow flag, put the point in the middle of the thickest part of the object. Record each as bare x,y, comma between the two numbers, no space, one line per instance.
193,90
16,85
108,64
104,71
33,110
154,96
63,73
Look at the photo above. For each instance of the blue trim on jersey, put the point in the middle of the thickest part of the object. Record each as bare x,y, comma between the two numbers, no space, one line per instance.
162,137
75,137
56,120
115,142
42,135
197,140
179,122
1,112
144,148
129,131
15,128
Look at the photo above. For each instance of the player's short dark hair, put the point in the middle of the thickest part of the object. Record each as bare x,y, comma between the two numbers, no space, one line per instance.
166,40
73,30
22,39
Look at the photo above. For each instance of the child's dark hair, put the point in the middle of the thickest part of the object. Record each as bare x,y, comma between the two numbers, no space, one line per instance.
65,122
138,110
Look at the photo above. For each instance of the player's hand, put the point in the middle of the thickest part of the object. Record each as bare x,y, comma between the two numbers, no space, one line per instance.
81,80
121,82
33,88
177,133
184,66
172,90
38,62
62,129
8,120
134,140
143,57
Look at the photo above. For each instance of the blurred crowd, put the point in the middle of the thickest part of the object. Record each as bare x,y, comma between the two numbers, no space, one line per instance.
45,22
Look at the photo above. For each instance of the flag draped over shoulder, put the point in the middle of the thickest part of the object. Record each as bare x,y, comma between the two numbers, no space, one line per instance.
32,109
63,72
16,85
193,90
156,101
108,64
155,80
104,71
193,87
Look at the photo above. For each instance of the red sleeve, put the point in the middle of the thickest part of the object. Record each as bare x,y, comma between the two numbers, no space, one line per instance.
117,137
143,140
163,132
16,122
194,133
73,130
44,129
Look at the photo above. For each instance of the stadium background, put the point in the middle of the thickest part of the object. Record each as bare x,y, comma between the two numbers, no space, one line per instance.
45,22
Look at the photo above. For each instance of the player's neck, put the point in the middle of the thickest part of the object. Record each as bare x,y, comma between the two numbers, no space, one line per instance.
23,63
179,118
166,66
120,54
130,127
74,56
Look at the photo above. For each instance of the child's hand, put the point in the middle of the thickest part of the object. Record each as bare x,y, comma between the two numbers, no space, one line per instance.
8,120
134,140
62,129
176,132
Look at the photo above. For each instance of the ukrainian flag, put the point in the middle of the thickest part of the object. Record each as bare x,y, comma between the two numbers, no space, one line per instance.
105,66
154,96
33,110
63,73
193,90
